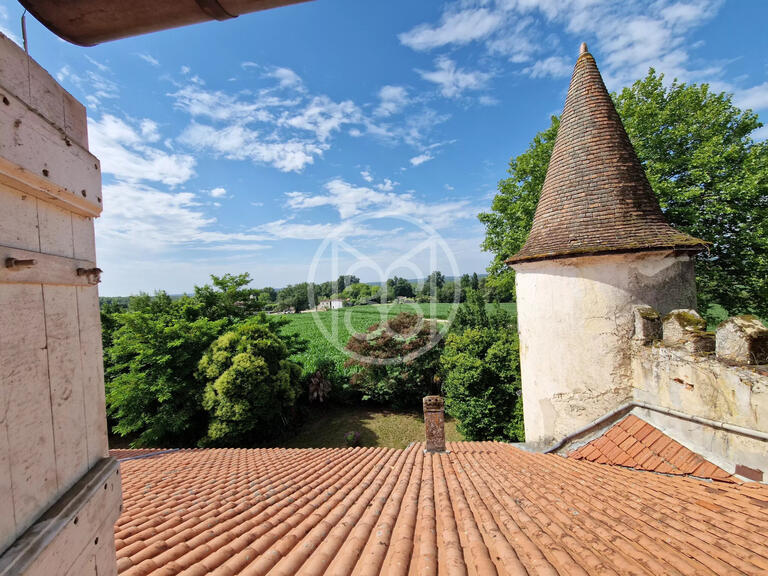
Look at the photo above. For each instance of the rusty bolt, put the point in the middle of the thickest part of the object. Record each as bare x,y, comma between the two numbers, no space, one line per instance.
18,263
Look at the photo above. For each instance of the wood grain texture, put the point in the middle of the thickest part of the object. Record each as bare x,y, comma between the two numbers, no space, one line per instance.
7,516
18,220
89,317
23,357
38,158
66,381
84,243
55,226
48,269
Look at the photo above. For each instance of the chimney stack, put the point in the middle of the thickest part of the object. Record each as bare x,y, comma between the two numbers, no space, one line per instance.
434,422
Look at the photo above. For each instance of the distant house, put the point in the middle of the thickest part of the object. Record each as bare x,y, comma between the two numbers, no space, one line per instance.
330,304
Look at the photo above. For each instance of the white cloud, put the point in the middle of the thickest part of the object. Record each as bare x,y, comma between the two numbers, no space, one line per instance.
149,130
454,81
392,99
350,201
421,158
287,78
366,176
94,85
125,153
185,70
553,67
240,143
386,186
629,37
323,116
286,229
218,192
5,28
154,220
455,28
149,59
755,98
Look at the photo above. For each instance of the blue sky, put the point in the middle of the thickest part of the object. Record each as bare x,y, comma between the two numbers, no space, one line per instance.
243,146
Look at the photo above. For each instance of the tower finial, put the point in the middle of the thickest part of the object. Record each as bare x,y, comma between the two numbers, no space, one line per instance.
583,48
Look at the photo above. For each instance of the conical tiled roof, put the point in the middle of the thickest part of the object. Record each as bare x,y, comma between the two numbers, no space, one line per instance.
596,197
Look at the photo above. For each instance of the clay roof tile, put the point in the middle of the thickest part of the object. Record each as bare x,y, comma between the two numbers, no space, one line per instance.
596,197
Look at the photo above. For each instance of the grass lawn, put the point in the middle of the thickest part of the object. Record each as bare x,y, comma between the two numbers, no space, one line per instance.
376,428
328,332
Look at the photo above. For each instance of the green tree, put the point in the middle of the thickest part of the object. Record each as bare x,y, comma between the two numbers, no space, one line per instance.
397,287
251,385
711,179
151,389
296,296
396,362
481,372
227,298
481,384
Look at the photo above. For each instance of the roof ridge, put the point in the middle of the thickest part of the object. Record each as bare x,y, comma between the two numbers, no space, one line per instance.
596,197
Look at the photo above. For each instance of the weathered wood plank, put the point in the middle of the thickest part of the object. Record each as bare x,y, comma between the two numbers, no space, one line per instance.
18,219
7,517
83,237
23,357
38,158
55,230
66,533
105,555
15,67
66,381
93,372
48,269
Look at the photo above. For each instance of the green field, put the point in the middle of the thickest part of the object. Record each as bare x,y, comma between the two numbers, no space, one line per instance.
376,428
327,332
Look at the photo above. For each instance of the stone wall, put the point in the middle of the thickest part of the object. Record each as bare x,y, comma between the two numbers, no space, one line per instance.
575,318
716,379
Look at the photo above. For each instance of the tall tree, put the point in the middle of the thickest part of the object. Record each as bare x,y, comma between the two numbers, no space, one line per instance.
710,176
228,298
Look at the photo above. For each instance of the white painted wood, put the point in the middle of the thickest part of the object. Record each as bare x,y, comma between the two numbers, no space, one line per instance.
47,269
15,69
55,230
7,517
83,237
75,122
18,219
93,372
65,536
66,382
23,358
40,159
46,96
105,555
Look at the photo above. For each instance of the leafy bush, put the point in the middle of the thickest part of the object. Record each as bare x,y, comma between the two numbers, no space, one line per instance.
151,387
481,368
251,385
396,362
352,439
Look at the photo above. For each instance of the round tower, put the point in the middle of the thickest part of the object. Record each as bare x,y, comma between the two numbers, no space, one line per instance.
599,246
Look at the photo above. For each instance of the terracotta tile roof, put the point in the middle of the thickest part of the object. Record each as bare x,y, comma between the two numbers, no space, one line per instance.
596,197
634,443
122,453
482,509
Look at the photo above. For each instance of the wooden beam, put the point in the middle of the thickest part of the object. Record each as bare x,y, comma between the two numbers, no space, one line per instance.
38,158
58,539
47,269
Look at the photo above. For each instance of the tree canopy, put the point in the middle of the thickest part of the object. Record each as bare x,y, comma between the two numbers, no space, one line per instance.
710,176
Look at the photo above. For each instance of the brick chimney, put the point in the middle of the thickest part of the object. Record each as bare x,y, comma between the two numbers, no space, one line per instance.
434,422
